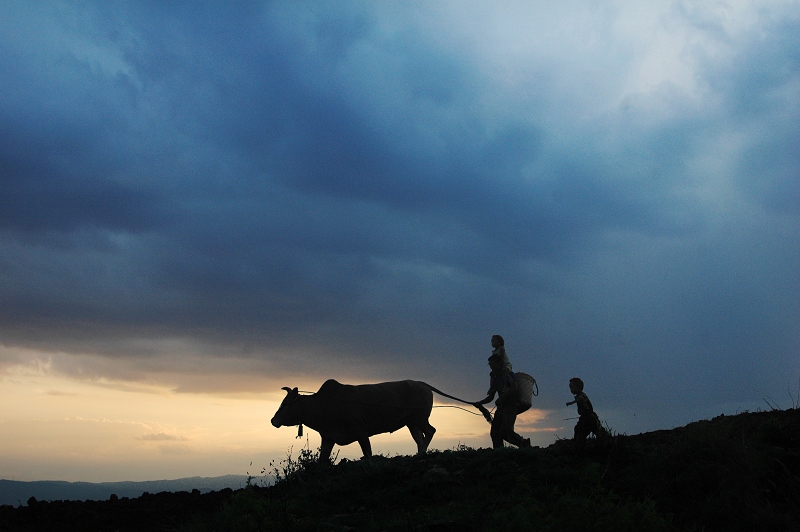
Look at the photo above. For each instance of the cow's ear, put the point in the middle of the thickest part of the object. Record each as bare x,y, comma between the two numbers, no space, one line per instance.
295,391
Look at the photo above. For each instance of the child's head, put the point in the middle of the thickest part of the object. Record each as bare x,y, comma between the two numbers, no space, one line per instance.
575,385
497,341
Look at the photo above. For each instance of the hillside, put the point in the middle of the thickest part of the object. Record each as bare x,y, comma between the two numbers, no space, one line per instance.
737,472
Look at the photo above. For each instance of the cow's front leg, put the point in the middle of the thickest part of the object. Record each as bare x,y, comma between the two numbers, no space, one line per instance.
325,449
366,448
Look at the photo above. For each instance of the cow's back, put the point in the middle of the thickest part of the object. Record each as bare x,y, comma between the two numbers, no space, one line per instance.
397,394
390,406
356,411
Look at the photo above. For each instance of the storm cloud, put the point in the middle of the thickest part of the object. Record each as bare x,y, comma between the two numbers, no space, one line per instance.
371,190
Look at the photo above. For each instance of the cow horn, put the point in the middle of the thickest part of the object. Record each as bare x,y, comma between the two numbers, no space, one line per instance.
287,389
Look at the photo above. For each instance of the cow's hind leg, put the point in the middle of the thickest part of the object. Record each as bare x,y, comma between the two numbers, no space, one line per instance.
429,431
419,438
366,448
422,434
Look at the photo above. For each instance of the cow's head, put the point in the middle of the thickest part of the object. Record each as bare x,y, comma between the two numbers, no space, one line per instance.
288,413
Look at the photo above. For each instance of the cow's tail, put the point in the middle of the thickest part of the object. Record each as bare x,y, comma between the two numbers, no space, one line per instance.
480,407
447,395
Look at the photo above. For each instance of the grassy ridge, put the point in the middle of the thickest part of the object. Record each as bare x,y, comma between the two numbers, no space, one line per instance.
730,473
737,472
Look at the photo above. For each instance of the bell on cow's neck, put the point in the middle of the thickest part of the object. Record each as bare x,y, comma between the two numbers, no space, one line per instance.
300,431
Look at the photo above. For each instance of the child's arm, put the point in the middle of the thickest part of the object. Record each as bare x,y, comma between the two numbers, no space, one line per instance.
579,398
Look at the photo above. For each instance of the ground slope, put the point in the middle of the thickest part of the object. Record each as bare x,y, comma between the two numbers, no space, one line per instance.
737,472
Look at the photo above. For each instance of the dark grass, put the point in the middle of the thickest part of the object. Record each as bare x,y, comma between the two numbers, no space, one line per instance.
737,472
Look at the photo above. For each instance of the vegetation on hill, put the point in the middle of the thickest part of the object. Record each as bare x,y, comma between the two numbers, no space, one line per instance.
737,472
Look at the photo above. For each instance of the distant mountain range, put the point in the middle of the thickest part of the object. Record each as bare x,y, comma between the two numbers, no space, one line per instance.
16,493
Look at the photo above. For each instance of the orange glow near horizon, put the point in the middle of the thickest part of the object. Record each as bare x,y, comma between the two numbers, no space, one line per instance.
57,428
54,427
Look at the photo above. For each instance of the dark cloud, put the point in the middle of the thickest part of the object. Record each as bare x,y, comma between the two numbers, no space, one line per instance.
277,178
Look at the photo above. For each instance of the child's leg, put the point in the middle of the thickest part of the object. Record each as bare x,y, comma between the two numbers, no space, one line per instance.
581,430
599,430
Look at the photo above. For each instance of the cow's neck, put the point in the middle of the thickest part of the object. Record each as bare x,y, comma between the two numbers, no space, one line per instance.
306,404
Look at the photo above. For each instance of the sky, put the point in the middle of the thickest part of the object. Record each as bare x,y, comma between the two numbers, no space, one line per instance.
203,202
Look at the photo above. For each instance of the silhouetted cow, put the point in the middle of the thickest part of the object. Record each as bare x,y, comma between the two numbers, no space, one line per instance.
343,413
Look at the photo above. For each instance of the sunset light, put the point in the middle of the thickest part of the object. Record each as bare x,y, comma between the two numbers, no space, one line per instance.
202,203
